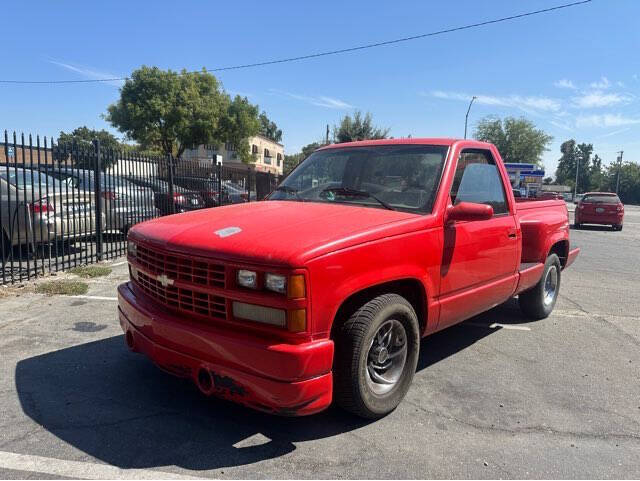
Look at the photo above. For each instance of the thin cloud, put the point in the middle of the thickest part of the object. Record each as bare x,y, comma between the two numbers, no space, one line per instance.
565,84
525,103
562,125
88,72
615,132
600,99
601,84
605,120
319,101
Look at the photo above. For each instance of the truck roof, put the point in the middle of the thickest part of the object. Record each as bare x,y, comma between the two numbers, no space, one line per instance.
405,141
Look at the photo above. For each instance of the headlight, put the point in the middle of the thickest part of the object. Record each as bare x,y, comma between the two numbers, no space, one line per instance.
247,279
276,283
132,248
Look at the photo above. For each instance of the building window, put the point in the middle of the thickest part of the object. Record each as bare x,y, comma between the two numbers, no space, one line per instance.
254,149
266,153
279,157
229,147
278,160
267,160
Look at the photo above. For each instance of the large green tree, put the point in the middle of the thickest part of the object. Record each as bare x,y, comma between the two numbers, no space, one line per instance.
269,129
517,139
240,122
78,144
358,127
173,111
629,187
574,154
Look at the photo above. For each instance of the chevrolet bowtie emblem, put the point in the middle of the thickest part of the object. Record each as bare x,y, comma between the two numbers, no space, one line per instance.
164,280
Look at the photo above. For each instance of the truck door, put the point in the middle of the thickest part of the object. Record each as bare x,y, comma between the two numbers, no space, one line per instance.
480,258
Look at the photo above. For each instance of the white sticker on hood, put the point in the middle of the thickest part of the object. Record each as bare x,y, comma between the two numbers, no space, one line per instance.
227,231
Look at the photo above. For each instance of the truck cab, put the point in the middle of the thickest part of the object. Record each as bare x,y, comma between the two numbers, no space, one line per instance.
322,292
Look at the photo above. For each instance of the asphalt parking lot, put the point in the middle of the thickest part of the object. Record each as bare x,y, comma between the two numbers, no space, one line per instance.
495,397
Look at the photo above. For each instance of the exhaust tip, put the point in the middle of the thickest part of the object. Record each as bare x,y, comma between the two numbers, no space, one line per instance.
128,337
205,383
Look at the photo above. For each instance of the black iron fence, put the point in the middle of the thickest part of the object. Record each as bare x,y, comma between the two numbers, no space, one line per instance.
67,205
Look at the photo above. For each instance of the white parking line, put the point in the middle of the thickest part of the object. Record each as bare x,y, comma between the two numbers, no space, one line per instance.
496,325
509,326
79,469
96,298
119,264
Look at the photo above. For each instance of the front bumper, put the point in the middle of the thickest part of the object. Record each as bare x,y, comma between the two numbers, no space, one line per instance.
286,379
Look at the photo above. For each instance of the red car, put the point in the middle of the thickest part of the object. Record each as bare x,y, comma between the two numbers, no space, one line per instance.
323,291
600,208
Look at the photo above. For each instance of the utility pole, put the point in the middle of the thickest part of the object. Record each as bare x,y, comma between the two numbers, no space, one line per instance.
326,139
575,189
619,167
466,117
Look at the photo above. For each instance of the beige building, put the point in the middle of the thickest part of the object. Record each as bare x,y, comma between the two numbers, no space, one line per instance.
268,155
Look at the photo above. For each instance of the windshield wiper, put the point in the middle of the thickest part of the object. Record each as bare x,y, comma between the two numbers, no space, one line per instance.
347,191
290,190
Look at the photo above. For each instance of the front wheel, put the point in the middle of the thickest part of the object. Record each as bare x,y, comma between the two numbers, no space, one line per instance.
376,356
538,302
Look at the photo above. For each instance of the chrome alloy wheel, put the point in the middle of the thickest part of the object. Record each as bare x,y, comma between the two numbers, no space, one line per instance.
550,285
386,357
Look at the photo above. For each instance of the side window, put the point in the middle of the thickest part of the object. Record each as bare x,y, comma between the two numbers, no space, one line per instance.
477,179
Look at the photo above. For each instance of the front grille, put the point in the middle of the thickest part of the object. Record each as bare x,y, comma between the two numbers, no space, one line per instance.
198,272
183,299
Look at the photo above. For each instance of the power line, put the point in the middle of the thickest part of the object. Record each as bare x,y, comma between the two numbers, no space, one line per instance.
327,53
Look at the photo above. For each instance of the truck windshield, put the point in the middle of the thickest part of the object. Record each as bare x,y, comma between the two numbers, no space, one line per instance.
398,177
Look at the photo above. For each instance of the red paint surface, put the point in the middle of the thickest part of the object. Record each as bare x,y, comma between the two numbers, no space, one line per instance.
459,269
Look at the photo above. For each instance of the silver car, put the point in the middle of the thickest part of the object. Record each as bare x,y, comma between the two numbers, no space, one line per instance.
123,203
36,209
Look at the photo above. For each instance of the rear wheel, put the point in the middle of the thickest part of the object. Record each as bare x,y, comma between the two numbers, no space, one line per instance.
538,302
376,356
5,247
618,227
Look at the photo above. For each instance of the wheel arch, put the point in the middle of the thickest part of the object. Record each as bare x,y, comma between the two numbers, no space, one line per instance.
412,289
561,249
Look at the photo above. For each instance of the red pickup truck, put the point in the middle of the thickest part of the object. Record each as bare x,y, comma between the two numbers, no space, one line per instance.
322,292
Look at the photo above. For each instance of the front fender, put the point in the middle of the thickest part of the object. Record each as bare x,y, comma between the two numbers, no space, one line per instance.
337,276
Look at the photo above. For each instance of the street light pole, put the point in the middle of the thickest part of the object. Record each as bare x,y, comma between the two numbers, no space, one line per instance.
575,189
466,117
619,167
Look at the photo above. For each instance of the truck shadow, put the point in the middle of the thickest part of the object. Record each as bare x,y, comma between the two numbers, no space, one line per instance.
119,408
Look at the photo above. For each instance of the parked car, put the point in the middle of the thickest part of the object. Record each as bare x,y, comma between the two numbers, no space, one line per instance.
183,199
577,198
546,195
604,208
323,291
238,193
35,209
123,203
206,188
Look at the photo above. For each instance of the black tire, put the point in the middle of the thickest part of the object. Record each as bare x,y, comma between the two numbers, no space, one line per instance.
535,303
618,227
352,380
5,248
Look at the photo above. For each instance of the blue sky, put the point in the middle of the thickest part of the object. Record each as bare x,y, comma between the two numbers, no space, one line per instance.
574,72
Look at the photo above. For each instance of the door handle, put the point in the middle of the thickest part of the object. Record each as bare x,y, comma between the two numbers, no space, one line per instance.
512,235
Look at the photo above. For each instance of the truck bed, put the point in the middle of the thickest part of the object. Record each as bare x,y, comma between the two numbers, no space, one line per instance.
541,221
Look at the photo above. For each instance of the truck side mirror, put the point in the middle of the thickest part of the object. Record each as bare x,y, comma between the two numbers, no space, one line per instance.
468,211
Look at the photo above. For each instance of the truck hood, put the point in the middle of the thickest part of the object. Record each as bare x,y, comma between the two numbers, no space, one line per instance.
270,232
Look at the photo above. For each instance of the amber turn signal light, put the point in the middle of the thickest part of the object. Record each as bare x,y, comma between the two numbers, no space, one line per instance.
296,287
297,320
